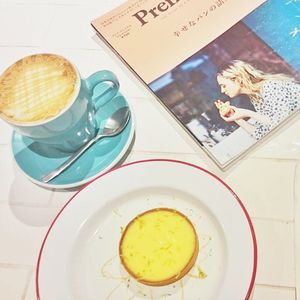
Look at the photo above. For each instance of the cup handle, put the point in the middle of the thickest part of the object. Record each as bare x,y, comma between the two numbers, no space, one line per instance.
102,87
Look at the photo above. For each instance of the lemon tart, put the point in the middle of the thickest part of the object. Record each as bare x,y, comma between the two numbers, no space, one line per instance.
159,246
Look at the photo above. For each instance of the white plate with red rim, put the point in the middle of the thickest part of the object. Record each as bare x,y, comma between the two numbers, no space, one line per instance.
79,259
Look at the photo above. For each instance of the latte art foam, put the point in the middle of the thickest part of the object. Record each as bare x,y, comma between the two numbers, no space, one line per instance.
36,88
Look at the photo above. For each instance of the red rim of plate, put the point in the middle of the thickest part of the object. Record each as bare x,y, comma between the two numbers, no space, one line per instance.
248,294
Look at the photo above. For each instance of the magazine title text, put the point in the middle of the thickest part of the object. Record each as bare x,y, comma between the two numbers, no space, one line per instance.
143,15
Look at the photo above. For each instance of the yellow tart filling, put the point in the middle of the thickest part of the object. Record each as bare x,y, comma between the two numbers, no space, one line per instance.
159,246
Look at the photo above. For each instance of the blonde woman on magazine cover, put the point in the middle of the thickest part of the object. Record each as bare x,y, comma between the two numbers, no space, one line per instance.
274,97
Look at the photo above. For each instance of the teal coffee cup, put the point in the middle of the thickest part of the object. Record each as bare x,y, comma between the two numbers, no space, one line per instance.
43,97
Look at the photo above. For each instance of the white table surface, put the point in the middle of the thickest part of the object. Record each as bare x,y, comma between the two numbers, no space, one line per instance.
267,180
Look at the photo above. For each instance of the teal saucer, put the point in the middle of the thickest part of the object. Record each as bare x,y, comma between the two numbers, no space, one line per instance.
37,159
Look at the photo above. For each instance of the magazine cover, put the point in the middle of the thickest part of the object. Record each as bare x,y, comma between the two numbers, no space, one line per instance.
227,70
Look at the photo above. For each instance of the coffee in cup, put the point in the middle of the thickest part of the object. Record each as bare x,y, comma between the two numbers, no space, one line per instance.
42,96
36,89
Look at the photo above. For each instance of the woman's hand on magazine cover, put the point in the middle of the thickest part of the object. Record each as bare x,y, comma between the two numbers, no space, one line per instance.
237,114
242,113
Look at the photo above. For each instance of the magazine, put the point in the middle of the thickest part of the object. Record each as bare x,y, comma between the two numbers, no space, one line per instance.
227,70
